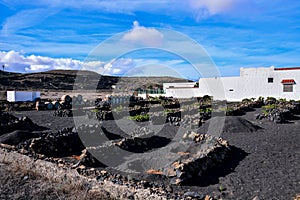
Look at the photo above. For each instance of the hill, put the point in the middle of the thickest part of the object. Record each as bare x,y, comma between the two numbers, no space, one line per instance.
56,80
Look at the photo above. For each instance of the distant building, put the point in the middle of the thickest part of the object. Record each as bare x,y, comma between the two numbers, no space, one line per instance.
181,90
253,83
17,96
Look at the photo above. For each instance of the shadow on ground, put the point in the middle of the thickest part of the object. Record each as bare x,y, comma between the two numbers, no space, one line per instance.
228,166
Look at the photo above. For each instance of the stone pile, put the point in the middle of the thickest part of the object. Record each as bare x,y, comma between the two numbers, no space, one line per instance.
102,105
100,115
279,111
205,115
294,107
63,113
18,136
9,123
86,159
204,153
241,108
174,118
276,115
65,142
236,109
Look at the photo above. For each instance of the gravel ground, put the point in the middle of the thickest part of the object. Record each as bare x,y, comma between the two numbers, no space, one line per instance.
264,164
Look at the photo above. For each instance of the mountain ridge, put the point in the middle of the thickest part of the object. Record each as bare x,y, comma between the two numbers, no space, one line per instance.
70,79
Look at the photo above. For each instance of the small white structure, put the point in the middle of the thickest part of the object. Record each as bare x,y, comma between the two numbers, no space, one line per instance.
181,90
16,96
144,95
178,85
253,83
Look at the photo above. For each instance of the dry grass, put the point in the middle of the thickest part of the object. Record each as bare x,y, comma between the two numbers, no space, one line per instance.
19,182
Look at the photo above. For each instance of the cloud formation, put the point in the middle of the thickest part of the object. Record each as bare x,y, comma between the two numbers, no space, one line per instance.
17,62
25,19
142,35
212,6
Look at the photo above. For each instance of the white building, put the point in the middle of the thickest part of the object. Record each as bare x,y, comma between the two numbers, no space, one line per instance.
181,90
15,96
178,85
253,83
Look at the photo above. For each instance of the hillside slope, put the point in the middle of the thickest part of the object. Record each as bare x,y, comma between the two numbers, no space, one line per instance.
68,79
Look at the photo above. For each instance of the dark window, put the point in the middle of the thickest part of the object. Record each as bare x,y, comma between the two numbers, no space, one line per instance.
270,80
231,90
287,87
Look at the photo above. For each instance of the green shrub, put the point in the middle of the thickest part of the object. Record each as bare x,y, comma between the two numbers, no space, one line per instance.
94,110
118,109
269,107
247,100
207,98
266,109
205,110
271,100
140,118
260,98
283,100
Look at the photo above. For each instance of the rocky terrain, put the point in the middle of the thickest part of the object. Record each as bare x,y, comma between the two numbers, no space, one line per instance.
251,159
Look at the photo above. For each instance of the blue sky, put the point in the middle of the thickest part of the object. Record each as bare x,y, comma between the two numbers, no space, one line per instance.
43,35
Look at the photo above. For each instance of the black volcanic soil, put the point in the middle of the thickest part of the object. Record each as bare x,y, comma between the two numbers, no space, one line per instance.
264,164
269,163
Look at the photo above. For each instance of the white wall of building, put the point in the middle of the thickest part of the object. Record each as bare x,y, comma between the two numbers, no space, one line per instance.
220,88
182,93
178,85
15,96
252,83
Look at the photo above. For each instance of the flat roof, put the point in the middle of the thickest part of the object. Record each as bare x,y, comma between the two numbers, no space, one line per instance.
288,81
287,68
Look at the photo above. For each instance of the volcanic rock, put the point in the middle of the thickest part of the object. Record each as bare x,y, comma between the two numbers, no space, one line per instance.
9,123
60,144
17,137
87,159
204,152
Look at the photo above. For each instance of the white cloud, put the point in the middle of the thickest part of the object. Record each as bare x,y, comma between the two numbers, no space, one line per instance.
212,6
15,61
119,66
199,8
114,67
18,62
120,6
25,19
37,68
142,35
